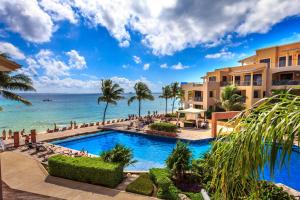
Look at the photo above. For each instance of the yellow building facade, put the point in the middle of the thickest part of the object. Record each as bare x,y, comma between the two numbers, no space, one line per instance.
272,68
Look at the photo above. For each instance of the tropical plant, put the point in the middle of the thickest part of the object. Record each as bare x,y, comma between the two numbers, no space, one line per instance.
166,94
230,100
142,92
179,160
17,82
119,154
111,93
175,89
181,97
264,135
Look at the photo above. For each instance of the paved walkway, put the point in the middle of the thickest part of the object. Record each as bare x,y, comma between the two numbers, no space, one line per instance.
25,174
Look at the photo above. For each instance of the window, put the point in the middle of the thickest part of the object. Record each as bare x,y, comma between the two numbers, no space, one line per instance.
256,94
298,59
266,60
198,106
290,58
224,78
212,79
282,61
264,93
211,93
237,80
247,79
257,79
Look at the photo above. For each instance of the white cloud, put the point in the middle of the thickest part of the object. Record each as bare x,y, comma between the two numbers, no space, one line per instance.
222,54
137,59
146,66
179,66
75,60
59,10
11,51
164,66
128,84
27,19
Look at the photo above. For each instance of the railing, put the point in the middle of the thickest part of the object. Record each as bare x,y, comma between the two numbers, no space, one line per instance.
257,83
225,83
241,83
200,99
286,82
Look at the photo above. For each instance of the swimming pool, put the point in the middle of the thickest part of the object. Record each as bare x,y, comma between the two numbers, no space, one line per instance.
152,151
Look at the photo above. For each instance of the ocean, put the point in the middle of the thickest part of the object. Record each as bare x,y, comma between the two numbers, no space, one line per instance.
66,107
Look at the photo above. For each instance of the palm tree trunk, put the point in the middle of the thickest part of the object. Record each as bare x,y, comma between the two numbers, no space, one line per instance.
103,120
166,105
139,108
173,104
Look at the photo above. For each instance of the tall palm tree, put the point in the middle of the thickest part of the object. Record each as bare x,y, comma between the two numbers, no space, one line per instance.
17,82
230,100
111,93
175,88
142,92
166,94
264,135
181,97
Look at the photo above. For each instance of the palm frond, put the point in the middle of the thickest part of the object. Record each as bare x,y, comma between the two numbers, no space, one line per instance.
15,97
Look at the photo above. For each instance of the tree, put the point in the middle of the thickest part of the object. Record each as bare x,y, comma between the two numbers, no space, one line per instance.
166,94
142,92
180,160
181,97
264,135
175,89
119,154
111,93
17,82
230,100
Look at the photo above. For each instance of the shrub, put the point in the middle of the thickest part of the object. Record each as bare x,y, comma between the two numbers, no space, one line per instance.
174,115
158,173
142,185
180,159
85,169
163,126
119,154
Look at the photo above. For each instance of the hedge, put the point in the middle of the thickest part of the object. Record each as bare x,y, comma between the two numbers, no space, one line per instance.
142,185
163,126
86,169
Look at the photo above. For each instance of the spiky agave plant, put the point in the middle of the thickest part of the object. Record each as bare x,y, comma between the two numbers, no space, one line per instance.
264,135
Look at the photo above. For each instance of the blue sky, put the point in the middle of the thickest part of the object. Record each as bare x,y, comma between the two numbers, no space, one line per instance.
68,46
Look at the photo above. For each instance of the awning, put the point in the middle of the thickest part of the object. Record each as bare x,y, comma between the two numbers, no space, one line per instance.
192,111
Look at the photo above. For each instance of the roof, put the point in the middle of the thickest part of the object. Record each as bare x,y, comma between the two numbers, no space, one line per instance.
191,111
8,65
298,42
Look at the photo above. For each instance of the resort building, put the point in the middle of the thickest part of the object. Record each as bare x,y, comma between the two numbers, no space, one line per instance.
7,65
271,68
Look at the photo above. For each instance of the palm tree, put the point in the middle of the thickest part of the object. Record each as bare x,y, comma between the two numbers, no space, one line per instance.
175,88
18,82
181,97
111,93
264,135
230,100
142,92
166,94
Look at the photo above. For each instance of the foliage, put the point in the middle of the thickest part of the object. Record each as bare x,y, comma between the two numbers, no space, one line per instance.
264,135
181,97
142,185
142,92
175,93
179,160
119,154
164,126
86,169
111,93
266,190
174,115
166,94
18,82
230,100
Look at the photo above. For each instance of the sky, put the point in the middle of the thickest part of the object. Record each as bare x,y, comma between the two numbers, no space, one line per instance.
68,46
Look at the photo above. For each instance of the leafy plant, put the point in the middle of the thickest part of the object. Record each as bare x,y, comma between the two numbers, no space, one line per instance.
119,154
179,160
166,94
264,135
142,92
164,126
175,93
111,93
230,100
142,185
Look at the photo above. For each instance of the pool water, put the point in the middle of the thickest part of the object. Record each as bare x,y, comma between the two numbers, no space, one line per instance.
152,151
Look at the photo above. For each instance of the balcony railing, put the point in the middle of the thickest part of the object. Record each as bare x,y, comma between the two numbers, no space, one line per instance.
199,99
241,83
286,82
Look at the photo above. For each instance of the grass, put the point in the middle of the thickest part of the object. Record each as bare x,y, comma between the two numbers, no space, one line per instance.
142,185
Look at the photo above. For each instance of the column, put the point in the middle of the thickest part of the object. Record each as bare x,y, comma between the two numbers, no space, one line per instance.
16,139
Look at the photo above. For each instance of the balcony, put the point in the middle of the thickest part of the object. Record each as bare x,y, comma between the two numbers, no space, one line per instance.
286,82
198,99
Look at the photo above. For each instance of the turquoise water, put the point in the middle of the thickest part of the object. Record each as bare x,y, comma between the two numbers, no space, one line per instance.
151,151
64,108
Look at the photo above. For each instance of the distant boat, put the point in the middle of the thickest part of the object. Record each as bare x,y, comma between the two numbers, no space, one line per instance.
47,100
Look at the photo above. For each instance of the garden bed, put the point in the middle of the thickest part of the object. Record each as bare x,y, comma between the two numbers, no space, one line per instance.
142,185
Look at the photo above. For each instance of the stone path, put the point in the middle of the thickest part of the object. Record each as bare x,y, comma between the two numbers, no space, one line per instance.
23,173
